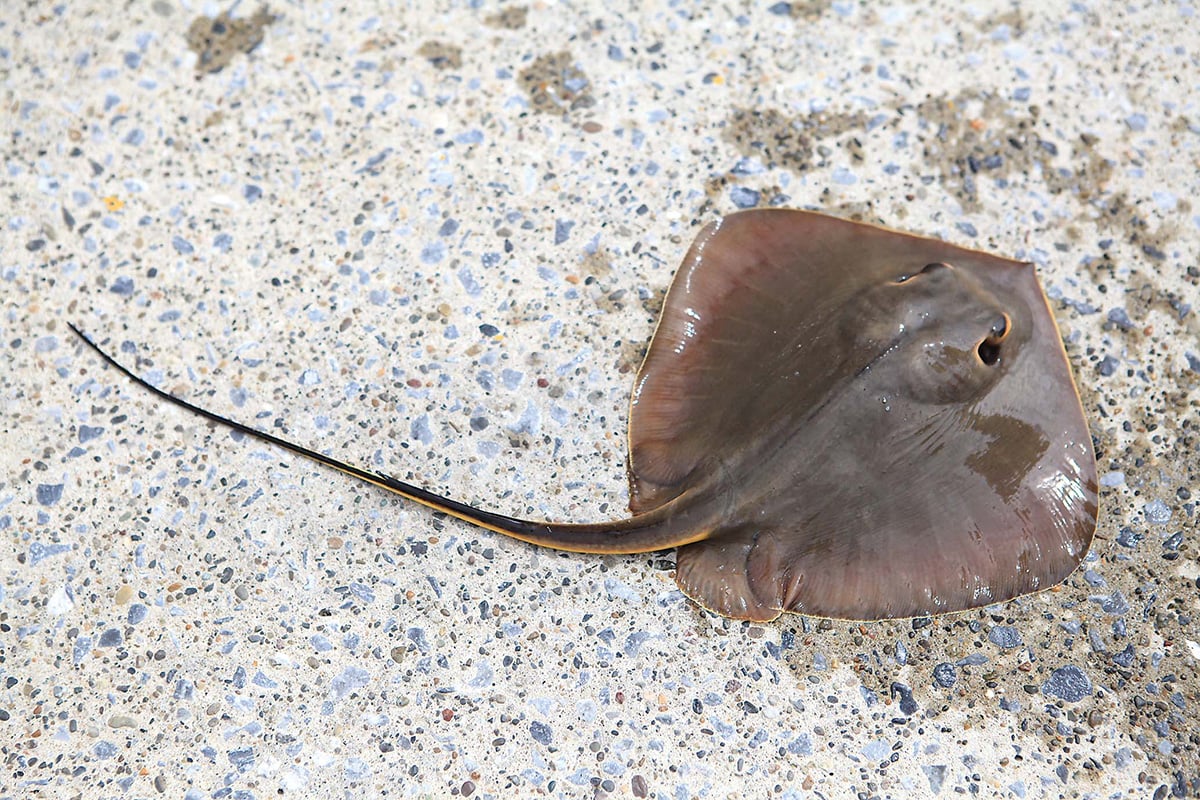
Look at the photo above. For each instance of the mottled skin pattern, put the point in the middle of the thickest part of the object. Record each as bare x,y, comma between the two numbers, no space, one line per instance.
840,420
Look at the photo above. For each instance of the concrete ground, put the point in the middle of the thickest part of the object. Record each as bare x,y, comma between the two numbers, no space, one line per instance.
434,241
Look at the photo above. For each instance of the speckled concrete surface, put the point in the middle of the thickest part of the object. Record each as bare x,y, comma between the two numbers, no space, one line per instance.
434,241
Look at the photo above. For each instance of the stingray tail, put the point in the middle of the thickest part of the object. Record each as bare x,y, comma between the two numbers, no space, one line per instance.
674,524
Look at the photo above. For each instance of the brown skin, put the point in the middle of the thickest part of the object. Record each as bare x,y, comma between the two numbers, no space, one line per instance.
839,420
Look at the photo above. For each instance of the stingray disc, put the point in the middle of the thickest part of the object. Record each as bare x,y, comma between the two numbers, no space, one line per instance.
884,425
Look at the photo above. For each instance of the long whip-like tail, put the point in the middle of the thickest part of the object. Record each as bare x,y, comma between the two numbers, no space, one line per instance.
674,524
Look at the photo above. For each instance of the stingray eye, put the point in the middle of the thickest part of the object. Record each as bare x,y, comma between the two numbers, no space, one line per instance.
1000,327
936,266
989,348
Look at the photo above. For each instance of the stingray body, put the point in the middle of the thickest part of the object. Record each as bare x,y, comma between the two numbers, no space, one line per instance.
840,420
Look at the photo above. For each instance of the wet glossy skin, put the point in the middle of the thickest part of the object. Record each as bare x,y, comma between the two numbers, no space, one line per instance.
840,420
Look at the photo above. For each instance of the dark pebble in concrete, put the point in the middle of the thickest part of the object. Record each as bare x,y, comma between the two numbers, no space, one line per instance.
945,675
1068,683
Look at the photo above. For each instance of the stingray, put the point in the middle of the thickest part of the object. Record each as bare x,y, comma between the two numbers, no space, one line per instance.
838,420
